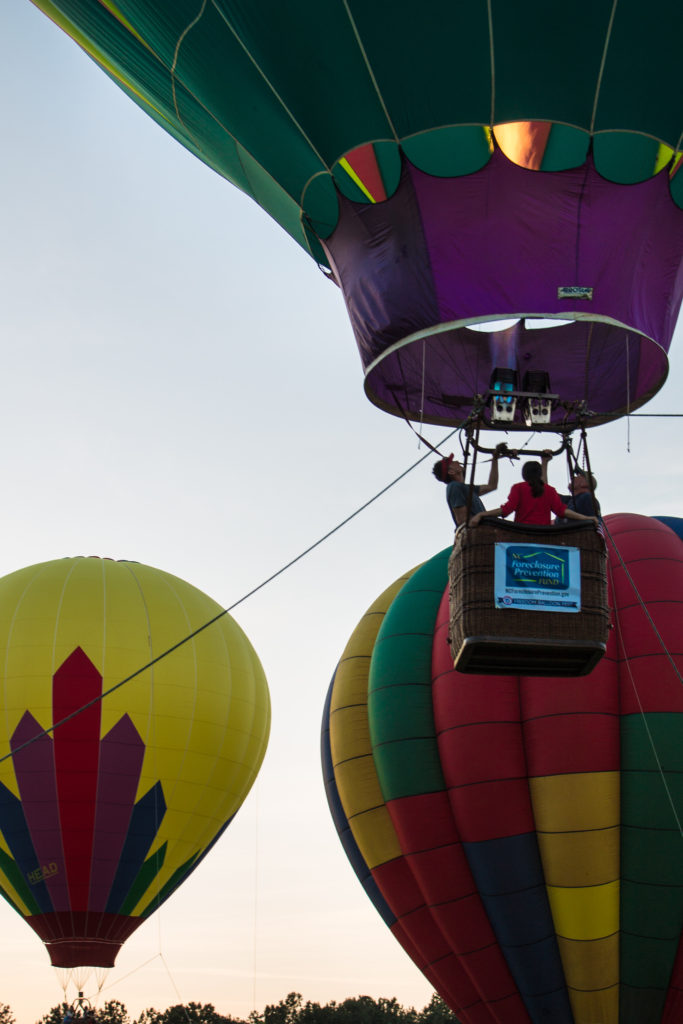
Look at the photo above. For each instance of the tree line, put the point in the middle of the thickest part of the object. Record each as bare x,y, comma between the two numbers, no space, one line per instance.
290,1010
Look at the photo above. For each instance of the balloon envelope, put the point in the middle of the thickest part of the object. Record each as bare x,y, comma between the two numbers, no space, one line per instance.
452,163
104,815
521,836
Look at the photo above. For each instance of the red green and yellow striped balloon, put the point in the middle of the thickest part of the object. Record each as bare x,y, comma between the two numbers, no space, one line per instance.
521,836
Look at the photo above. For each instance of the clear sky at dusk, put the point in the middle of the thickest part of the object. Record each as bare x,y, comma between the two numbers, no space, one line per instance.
181,388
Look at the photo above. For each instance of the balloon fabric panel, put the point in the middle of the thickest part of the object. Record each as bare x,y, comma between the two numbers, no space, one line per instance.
491,806
445,919
103,816
394,878
351,753
298,87
652,764
341,822
552,837
358,809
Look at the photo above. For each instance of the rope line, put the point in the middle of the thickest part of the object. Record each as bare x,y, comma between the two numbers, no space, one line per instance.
117,982
225,611
603,61
175,988
371,71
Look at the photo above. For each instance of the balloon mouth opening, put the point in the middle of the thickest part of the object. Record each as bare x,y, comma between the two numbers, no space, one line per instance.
530,323
600,369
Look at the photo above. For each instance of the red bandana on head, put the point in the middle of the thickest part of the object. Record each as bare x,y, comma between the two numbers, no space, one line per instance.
445,466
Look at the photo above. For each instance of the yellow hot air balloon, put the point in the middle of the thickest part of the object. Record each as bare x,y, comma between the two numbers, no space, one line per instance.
108,800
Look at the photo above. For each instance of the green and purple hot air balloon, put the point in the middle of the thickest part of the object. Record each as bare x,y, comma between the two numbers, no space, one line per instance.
451,163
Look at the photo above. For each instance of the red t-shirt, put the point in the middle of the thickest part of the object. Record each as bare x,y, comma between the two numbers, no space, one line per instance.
532,510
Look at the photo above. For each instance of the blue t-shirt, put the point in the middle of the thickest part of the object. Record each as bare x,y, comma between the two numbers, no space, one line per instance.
457,494
582,503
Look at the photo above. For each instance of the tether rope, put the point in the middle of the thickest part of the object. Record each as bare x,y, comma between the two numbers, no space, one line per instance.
225,611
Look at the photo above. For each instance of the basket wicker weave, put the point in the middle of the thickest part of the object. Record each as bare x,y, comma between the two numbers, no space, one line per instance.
490,640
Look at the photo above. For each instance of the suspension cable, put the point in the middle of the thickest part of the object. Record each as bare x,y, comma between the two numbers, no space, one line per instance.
225,611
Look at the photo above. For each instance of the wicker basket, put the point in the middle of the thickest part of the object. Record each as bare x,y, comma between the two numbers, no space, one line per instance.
509,641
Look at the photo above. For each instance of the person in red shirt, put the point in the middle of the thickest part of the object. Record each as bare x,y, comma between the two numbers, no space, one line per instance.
533,501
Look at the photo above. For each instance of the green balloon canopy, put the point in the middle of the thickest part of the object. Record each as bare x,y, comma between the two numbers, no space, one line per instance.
451,164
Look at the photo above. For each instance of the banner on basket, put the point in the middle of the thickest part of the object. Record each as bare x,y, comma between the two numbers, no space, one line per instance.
537,577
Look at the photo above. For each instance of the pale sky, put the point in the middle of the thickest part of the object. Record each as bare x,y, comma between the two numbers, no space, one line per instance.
181,387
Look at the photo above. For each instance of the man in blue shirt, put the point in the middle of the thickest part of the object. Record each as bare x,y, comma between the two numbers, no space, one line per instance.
580,499
450,472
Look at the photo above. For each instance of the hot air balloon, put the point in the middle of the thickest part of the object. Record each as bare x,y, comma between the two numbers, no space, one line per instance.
521,836
116,782
450,164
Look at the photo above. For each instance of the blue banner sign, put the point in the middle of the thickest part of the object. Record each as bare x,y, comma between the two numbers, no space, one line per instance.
537,577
